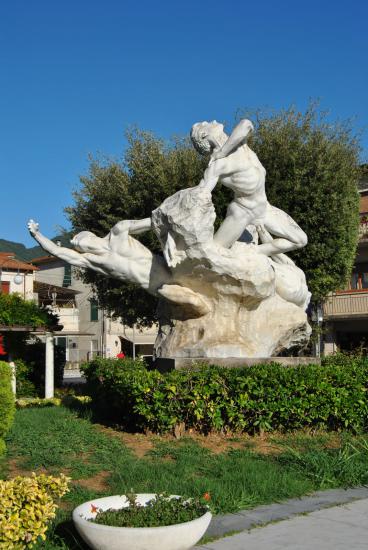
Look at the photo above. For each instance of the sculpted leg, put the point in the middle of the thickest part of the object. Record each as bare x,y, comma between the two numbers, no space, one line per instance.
233,226
280,224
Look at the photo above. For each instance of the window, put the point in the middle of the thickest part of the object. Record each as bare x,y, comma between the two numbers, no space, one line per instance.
354,281
359,281
94,310
364,280
67,281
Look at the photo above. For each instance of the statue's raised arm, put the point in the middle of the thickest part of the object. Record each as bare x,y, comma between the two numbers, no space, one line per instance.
67,254
237,138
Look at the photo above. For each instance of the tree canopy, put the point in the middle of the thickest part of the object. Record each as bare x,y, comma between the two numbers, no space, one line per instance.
312,173
15,311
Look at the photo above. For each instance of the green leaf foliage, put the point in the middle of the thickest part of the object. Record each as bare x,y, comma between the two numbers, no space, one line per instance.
7,400
159,511
259,398
14,310
312,173
112,191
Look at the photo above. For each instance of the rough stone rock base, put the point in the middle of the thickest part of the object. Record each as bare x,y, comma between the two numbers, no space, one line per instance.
237,329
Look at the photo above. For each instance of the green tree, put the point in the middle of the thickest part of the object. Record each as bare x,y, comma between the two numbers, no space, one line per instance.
151,171
312,173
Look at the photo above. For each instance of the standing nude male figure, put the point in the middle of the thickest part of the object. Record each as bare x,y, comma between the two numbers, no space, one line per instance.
237,167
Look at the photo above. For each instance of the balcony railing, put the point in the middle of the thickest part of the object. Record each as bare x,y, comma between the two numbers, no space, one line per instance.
352,303
69,317
363,230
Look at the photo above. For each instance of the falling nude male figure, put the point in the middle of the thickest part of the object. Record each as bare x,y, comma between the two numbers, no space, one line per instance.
119,256
237,167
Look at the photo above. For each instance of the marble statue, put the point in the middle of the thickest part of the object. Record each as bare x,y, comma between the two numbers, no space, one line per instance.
120,256
233,293
237,167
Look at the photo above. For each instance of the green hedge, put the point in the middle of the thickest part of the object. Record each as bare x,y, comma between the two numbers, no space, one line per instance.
14,310
263,397
7,402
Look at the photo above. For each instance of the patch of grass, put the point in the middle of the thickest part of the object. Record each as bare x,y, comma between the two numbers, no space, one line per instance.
305,441
346,466
55,439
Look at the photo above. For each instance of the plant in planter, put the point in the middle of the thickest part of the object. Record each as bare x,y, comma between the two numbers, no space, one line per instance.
142,522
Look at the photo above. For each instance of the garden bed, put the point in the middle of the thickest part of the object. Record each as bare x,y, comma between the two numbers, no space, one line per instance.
248,471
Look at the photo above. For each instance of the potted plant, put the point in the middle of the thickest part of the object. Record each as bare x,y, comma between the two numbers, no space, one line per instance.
142,522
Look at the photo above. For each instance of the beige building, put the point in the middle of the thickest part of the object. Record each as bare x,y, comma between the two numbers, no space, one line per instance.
16,276
87,330
346,311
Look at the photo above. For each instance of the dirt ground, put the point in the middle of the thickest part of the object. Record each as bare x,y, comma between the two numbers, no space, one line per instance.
217,443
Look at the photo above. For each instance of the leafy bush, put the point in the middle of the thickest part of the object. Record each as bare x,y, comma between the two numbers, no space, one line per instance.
38,402
25,388
70,401
262,397
26,506
7,406
161,510
14,310
35,353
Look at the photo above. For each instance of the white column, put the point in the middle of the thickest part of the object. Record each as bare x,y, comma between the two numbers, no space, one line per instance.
49,366
13,377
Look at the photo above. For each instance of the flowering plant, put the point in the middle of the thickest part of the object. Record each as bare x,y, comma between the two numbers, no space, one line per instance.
159,511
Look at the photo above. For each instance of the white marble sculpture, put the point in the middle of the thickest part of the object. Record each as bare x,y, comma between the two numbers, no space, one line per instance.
233,293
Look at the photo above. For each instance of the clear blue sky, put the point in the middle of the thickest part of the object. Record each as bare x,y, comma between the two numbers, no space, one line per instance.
75,74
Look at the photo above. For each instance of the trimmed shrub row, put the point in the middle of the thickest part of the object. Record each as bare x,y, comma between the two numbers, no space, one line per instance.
263,397
7,403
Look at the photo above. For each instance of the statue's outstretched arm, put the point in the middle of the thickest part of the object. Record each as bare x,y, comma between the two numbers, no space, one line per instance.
67,254
132,227
238,137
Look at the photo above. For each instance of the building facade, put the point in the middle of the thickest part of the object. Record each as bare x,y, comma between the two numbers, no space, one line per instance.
16,276
87,330
346,312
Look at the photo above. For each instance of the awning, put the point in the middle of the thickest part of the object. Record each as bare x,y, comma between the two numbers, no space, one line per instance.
46,290
140,339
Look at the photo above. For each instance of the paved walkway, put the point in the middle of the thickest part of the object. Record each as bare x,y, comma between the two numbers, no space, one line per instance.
337,528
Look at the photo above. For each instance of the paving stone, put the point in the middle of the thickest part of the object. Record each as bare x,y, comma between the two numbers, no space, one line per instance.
343,527
261,515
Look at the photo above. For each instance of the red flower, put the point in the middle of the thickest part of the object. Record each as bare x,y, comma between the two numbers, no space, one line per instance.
207,497
2,349
94,509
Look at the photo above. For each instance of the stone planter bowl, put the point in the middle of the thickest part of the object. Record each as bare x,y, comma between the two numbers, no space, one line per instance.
180,536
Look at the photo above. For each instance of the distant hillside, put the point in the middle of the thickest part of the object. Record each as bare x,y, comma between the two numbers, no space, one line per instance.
26,254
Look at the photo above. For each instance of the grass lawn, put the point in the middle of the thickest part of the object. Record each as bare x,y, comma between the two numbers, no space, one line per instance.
245,473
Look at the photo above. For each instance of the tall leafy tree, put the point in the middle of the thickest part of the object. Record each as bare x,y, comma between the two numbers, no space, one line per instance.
312,172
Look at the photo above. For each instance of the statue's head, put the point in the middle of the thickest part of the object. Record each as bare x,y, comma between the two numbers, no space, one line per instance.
207,135
85,241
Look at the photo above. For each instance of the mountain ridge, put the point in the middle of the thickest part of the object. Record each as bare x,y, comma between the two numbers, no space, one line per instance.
27,254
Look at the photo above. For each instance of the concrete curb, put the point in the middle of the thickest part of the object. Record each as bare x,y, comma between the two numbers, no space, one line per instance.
244,520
